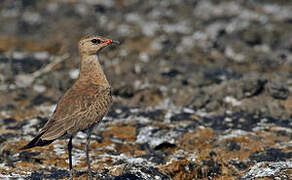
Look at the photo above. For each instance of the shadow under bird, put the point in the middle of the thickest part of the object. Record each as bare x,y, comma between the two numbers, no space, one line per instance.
83,105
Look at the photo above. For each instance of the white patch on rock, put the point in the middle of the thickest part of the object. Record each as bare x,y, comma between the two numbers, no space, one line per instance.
188,110
28,127
125,158
23,80
4,114
229,52
154,139
9,13
47,109
268,169
12,176
202,113
232,101
74,73
19,55
132,160
41,55
39,88
31,17
144,57
150,28
181,27
156,44
233,133
124,30
107,3
81,9
59,149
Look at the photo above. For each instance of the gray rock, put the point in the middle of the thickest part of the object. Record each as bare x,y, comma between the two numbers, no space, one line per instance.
278,90
268,169
252,84
142,173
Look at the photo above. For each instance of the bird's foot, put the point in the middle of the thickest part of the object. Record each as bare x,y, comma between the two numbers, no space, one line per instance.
89,174
71,174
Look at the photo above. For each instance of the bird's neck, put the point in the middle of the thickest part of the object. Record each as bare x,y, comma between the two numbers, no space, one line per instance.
91,70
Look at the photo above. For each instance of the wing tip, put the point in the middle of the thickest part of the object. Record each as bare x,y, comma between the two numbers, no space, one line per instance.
37,141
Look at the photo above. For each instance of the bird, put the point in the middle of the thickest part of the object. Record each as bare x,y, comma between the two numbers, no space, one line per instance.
82,106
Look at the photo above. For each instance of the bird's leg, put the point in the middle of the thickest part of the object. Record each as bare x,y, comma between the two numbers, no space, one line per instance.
87,151
70,157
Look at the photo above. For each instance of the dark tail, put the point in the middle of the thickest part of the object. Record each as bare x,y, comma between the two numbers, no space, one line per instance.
37,141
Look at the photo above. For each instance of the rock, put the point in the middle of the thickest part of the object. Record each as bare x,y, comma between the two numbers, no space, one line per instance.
268,169
134,172
271,155
252,37
252,84
278,90
155,137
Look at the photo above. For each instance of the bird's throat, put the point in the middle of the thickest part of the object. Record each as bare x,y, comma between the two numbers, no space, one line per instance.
91,70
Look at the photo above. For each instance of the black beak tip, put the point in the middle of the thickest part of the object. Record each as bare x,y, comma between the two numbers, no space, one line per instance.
115,42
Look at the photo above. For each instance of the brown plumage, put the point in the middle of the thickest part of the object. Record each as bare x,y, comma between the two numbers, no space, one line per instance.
84,104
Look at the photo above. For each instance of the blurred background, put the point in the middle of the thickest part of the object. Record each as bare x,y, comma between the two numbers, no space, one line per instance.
187,74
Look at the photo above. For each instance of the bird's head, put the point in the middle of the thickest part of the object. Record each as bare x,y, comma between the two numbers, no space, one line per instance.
93,44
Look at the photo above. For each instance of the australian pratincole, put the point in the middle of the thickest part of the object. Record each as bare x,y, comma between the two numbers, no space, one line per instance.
84,104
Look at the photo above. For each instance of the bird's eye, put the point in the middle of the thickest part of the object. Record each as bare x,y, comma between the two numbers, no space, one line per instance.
96,41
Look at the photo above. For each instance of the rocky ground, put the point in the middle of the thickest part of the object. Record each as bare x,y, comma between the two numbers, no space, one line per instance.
201,88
